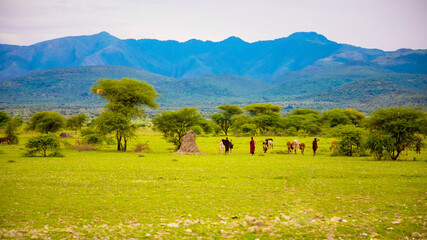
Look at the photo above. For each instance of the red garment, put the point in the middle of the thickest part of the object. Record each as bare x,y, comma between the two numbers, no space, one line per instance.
252,143
314,145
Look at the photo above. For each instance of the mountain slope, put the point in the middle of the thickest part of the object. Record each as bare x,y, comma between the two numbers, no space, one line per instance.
69,87
382,91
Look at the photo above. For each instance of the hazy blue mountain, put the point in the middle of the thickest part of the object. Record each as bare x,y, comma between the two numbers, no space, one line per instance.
263,60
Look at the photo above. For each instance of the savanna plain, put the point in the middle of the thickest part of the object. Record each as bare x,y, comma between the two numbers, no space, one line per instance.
156,194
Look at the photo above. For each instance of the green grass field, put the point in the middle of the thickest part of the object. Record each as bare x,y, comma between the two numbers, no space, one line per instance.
157,194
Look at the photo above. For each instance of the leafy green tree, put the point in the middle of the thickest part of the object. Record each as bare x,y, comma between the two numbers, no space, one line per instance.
224,118
77,122
175,124
399,125
125,97
304,111
11,129
4,118
301,121
265,122
43,143
240,120
379,143
355,116
350,139
46,122
207,126
248,128
262,109
335,117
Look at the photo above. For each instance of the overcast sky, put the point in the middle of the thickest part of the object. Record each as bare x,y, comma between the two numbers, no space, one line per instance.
383,24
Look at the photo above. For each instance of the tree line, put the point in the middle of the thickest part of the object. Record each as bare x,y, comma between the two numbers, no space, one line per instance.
388,130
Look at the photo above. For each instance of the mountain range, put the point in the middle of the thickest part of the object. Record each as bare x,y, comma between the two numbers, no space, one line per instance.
304,68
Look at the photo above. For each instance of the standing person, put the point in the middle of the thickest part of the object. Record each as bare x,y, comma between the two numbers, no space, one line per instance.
226,145
252,144
314,146
231,146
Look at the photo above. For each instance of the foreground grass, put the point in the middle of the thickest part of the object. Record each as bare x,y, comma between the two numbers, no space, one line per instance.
95,194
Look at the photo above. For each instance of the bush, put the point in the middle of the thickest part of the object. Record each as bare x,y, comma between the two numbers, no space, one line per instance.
197,129
350,140
42,143
93,139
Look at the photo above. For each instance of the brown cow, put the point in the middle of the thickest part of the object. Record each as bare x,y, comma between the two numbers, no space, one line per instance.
292,146
5,140
289,145
295,145
302,147
265,146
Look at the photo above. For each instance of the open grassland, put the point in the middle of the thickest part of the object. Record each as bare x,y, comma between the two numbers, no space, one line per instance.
103,193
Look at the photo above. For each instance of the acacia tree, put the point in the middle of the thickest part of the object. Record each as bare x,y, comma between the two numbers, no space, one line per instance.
46,122
42,143
175,124
76,122
11,129
262,109
335,117
224,118
398,126
125,97
265,115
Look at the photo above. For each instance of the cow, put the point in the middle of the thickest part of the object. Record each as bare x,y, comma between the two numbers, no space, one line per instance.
265,146
334,145
302,147
5,140
289,145
269,143
295,145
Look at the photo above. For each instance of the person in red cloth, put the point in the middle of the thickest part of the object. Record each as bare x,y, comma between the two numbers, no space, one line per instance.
252,143
314,146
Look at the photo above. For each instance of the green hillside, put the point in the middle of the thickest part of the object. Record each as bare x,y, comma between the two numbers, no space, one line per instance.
69,87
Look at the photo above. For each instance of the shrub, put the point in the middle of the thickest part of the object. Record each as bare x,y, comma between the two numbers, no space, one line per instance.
350,140
42,143
197,129
93,139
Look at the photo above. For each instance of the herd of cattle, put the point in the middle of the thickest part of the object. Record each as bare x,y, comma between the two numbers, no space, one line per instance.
267,144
